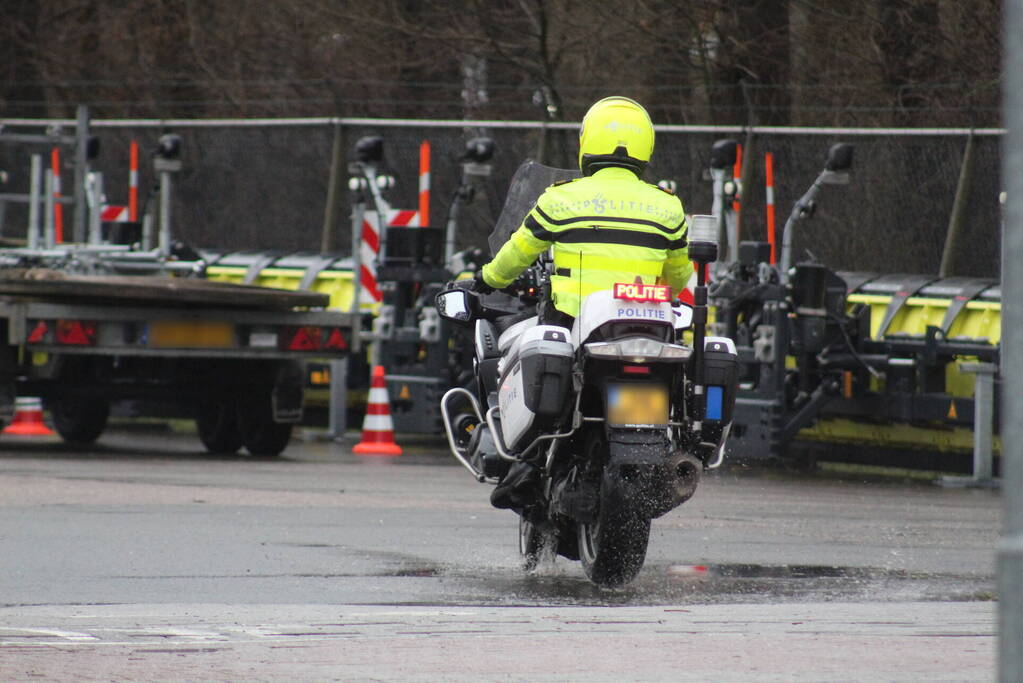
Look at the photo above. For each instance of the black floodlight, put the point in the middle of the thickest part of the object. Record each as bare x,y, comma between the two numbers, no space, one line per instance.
92,147
169,147
370,149
840,157
479,150
723,154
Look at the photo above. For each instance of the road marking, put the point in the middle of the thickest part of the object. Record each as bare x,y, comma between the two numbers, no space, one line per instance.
67,635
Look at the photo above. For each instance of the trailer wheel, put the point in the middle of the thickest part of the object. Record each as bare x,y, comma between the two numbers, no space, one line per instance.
217,424
259,432
79,421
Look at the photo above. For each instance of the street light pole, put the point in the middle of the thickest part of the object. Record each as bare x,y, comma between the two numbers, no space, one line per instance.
1010,552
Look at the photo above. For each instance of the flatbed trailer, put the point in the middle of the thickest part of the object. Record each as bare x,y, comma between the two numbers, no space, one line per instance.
230,356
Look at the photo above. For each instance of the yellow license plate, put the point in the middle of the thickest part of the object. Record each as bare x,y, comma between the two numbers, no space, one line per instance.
635,405
190,334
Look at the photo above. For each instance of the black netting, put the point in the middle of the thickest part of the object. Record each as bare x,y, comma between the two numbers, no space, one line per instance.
265,188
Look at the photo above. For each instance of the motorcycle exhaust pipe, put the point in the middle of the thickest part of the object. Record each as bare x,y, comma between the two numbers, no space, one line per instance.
684,473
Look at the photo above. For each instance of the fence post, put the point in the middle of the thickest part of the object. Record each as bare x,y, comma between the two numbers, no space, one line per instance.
746,173
1010,551
81,168
48,211
335,179
35,188
957,218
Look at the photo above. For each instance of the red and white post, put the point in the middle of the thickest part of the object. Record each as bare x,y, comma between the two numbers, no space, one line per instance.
737,176
58,208
424,184
133,181
769,193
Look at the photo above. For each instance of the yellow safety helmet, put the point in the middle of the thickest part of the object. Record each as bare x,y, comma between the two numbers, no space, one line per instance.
616,131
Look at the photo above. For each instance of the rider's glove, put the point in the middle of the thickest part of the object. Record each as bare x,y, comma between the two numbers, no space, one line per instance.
480,285
473,284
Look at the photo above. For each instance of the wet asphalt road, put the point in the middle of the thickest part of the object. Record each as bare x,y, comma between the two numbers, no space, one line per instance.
144,559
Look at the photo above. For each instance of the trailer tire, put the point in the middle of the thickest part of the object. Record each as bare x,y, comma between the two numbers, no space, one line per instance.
79,421
259,432
217,424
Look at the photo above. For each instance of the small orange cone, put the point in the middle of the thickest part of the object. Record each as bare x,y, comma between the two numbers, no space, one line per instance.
28,418
378,428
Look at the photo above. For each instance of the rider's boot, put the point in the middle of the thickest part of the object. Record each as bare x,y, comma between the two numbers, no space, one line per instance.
519,488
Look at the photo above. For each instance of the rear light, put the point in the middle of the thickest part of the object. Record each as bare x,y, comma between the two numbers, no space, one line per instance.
336,340
303,339
636,369
75,332
38,333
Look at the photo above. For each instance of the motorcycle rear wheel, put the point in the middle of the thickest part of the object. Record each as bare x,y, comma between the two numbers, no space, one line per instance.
613,548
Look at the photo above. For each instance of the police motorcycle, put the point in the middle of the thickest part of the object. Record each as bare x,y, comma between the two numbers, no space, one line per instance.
588,433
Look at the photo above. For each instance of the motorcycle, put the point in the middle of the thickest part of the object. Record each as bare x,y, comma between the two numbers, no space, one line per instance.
588,432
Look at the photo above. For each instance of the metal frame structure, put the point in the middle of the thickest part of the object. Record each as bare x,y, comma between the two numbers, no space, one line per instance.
1010,552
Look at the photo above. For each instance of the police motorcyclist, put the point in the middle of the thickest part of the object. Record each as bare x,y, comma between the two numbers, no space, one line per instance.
606,227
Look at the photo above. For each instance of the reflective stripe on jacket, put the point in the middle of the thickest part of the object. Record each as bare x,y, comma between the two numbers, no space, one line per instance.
606,228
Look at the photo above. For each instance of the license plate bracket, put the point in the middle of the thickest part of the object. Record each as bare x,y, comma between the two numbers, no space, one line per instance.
637,404
191,334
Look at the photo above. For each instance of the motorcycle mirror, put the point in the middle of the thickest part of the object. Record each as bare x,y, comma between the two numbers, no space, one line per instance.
456,305
683,316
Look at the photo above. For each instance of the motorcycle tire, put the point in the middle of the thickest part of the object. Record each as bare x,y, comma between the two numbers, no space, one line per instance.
613,548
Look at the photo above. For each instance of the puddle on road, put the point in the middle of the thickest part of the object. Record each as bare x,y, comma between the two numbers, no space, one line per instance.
563,584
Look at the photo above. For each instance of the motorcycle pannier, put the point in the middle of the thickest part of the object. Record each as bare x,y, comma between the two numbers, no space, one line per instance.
720,375
537,385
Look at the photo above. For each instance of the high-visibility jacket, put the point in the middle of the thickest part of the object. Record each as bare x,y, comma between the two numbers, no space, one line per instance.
606,228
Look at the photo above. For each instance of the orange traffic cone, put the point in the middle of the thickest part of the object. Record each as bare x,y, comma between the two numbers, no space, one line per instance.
28,418
378,428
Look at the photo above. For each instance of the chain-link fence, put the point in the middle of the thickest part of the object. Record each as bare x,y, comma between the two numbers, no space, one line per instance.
263,185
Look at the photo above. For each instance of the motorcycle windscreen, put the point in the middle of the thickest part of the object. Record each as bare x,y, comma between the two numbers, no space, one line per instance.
528,183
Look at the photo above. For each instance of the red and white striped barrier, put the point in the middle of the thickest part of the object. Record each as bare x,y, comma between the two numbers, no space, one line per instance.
396,218
114,214
370,250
